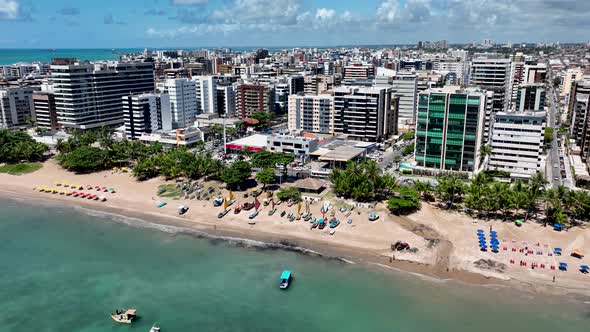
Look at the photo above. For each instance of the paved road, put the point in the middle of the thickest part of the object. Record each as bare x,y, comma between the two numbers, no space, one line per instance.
553,173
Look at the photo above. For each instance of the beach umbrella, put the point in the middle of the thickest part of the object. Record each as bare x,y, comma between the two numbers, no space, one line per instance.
480,230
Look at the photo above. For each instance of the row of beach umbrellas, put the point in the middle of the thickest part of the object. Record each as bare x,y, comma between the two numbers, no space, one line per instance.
81,187
494,243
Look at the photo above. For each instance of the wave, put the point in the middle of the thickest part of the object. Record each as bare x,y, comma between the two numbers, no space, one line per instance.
232,240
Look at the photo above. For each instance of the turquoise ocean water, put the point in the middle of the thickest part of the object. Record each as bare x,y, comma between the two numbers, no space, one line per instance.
10,56
65,270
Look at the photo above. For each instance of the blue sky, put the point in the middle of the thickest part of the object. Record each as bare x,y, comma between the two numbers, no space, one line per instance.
194,23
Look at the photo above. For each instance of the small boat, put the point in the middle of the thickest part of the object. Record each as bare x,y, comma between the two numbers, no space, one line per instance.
230,203
237,210
217,201
298,217
343,209
127,316
285,279
279,202
253,214
322,224
304,215
350,221
291,219
182,209
290,203
161,204
265,202
256,192
290,215
283,213
373,216
271,212
332,231
348,214
223,213
306,218
315,225
334,223
154,329
312,220
247,206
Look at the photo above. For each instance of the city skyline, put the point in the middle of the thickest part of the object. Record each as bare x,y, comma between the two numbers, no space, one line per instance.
272,23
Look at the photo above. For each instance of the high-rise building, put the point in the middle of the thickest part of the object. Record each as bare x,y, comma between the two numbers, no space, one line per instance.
491,72
530,97
16,107
206,90
88,95
571,75
254,98
296,84
183,101
226,100
363,113
517,143
449,128
405,86
146,113
316,84
580,110
45,111
311,113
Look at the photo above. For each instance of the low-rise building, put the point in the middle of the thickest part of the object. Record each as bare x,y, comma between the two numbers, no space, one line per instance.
187,137
296,145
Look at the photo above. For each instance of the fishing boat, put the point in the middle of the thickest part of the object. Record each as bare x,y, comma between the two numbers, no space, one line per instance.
253,214
247,206
322,224
348,214
285,279
182,209
225,210
373,216
232,198
256,192
161,204
312,220
298,217
273,210
279,202
334,223
265,202
126,317
306,218
154,329
332,231
343,209
283,213
315,224
237,209
291,219
217,201
290,203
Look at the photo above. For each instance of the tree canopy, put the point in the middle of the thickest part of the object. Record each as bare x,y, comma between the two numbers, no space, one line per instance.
16,146
361,181
290,193
236,174
406,200
266,176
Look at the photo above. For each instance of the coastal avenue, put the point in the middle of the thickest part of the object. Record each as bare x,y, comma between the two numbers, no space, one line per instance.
553,164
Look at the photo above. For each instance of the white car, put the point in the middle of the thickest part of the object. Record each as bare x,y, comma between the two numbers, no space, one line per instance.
555,165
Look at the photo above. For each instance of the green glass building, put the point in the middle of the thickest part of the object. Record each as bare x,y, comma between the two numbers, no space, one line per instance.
449,128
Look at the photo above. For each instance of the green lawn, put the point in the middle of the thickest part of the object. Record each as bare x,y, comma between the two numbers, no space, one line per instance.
20,169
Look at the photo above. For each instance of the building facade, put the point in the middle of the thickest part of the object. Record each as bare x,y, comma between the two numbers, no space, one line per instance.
88,95
16,107
405,86
226,100
206,93
183,101
363,113
45,111
517,143
449,129
530,97
146,113
254,98
296,145
311,113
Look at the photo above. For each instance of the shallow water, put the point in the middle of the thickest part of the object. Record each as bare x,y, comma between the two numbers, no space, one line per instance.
64,270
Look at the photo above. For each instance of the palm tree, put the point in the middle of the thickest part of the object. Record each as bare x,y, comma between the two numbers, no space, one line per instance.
484,151
449,189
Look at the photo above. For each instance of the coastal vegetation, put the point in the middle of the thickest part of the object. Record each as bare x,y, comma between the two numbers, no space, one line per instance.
404,201
363,181
236,174
20,168
290,193
16,146
266,176
266,159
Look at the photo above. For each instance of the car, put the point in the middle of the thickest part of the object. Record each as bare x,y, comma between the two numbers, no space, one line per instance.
555,165
556,178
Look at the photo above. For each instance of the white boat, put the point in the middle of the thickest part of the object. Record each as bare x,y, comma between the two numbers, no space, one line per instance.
125,317
332,231
155,329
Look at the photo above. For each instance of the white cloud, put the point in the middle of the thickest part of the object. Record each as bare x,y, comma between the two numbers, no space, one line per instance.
8,9
325,14
388,12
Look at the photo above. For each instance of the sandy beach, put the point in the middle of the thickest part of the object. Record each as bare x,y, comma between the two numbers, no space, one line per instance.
446,242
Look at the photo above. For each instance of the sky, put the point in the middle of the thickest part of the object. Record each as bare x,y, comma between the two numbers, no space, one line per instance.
271,23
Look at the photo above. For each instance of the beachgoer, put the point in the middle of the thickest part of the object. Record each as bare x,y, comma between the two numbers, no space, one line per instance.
553,278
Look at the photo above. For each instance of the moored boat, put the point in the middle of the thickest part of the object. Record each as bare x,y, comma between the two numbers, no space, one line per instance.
283,213
154,329
253,214
124,316
223,213
182,209
373,216
286,278
334,223
237,210
217,201
271,212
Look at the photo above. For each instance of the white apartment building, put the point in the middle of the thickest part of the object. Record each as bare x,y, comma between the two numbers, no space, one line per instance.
16,107
517,143
88,95
311,113
359,71
183,101
206,93
146,113
405,86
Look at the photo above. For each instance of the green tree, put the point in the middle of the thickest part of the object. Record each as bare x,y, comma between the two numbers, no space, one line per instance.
548,135
484,151
450,189
408,150
406,200
84,159
236,174
266,176
290,193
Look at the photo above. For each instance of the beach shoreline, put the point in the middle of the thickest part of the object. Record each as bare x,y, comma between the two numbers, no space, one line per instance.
134,200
